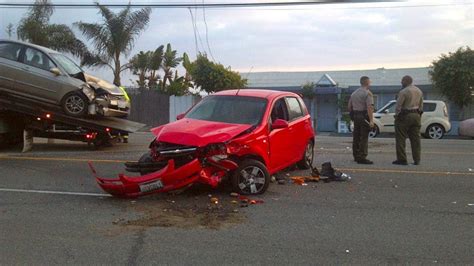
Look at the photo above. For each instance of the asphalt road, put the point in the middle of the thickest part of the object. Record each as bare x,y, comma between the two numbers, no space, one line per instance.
386,215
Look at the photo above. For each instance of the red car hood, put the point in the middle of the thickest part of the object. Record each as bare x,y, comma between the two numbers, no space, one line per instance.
191,132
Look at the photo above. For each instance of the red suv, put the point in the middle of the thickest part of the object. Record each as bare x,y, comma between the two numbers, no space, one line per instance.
246,135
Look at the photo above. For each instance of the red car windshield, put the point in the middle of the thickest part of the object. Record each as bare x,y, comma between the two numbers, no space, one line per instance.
229,109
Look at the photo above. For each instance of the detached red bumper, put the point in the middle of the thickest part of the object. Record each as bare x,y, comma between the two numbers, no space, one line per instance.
167,179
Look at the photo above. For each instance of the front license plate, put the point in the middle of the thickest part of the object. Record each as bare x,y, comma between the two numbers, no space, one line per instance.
122,104
155,185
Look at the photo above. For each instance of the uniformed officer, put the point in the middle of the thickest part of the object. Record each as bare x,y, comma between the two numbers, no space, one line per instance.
361,108
408,121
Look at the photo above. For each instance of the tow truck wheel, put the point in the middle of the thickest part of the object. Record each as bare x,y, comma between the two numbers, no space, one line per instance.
307,161
251,177
75,104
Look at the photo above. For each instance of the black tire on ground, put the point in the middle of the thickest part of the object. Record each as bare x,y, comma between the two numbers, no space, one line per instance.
435,131
250,178
146,158
75,104
374,132
308,157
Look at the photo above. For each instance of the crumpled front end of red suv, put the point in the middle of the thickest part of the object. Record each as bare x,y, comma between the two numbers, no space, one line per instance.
183,153
171,169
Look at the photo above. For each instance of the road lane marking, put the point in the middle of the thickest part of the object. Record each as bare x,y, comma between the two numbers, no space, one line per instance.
54,192
60,159
393,171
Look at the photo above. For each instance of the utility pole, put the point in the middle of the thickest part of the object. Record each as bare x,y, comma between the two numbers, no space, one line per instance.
9,30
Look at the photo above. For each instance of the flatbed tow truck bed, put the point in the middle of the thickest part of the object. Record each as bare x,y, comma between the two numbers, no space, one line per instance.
48,121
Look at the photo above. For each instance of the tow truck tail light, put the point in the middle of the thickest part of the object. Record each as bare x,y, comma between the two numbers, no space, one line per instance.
48,116
107,129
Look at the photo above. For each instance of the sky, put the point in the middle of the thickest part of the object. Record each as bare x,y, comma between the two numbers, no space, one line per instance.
297,38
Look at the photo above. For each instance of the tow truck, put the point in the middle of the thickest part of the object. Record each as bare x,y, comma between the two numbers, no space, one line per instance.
22,119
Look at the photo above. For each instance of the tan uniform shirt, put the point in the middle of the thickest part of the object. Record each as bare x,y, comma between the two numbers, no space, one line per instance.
409,98
361,100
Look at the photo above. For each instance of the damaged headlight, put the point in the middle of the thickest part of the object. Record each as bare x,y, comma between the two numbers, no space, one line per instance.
89,92
215,149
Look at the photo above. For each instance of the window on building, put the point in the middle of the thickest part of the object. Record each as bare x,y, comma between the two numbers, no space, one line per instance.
376,106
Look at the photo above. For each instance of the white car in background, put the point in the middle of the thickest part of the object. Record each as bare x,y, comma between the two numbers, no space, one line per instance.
434,121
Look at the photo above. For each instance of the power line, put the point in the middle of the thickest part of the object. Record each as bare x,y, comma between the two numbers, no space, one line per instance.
207,32
277,6
194,30
197,28
200,5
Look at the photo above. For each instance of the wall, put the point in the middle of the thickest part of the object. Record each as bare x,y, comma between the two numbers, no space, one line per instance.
181,104
149,107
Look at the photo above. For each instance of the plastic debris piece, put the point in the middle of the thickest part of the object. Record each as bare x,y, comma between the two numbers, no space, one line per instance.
233,194
470,169
214,200
470,204
253,202
273,180
347,251
312,178
281,182
234,202
235,210
304,184
299,180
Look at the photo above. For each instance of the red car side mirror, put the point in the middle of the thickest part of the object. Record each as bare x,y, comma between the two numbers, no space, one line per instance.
279,123
180,116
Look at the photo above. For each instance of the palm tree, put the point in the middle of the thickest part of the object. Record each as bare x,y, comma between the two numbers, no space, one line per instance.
35,28
154,66
115,36
170,61
139,66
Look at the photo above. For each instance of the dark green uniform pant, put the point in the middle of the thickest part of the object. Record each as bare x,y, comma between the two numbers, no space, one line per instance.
408,126
360,137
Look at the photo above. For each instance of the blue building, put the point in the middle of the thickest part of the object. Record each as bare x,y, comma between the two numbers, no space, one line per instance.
330,85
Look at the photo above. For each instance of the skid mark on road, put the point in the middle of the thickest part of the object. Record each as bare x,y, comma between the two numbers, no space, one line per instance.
54,192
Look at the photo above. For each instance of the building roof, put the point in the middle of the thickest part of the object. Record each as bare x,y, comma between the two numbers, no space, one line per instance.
344,78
